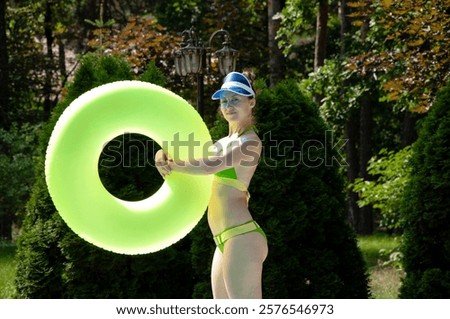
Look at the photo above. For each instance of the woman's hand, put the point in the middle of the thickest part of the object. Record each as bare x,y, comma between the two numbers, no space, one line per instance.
162,163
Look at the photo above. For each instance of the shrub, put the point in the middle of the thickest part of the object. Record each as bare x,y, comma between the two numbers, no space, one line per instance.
390,171
426,211
297,196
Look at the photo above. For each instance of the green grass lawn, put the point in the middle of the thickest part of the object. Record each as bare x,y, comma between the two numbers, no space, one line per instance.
385,280
7,270
385,277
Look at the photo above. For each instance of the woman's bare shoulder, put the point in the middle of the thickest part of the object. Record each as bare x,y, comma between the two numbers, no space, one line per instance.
251,138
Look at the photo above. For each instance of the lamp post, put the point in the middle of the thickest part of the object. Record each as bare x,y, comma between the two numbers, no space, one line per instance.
193,58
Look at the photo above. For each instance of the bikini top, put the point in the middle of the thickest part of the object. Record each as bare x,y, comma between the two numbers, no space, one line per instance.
228,176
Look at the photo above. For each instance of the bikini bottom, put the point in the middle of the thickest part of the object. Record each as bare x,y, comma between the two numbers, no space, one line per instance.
234,231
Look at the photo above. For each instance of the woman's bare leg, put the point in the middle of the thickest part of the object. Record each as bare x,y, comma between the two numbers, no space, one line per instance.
218,285
242,264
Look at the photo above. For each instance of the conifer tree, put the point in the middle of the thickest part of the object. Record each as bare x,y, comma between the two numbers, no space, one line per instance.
426,210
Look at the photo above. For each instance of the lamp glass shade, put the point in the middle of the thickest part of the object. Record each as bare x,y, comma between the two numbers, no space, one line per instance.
192,59
180,64
227,59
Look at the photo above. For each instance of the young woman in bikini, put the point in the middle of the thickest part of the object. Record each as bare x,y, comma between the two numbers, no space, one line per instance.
241,243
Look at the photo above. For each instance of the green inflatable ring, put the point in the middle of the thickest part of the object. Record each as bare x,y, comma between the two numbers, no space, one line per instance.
71,167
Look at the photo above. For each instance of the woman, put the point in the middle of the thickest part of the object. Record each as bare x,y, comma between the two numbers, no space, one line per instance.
241,243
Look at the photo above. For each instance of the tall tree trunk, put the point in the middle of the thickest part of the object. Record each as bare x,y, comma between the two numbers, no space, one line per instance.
345,26
358,131
320,49
321,34
48,30
365,224
351,129
4,68
62,60
276,61
5,216
365,220
351,132
409,134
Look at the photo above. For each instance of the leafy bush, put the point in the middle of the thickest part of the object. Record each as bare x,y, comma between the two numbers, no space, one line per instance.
425,210
297,196
391,174
53,262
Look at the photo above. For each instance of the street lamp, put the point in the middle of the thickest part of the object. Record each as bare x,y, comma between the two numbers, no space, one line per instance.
192,58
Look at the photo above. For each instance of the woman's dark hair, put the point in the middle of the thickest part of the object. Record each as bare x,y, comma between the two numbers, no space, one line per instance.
251,76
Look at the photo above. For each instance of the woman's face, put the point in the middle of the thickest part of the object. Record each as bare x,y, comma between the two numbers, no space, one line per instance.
235,107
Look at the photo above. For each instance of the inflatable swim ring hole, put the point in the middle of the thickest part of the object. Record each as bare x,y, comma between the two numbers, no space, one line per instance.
126,167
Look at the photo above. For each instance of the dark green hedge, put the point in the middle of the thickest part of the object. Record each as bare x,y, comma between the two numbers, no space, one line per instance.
426,208
297,196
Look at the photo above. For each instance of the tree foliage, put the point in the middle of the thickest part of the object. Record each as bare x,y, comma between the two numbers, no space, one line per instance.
37,33
26,65
297,20
338,103
407,49
297,34
142,40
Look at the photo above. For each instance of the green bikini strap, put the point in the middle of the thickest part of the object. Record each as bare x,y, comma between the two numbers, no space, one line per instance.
253,127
